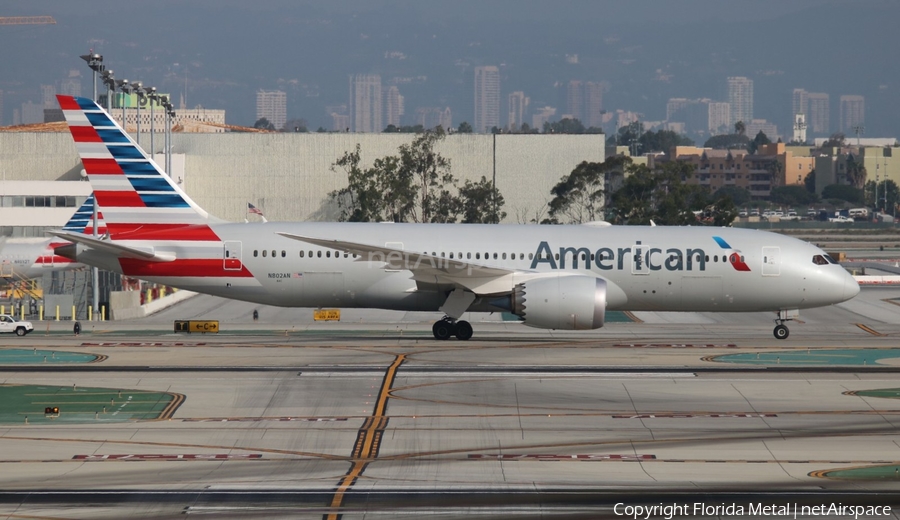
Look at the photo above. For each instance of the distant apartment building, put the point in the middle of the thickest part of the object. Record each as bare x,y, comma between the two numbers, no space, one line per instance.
365,103
541,116
575,100
799,102
272,105
518,107
432,117
31,113
853,113
2,121
487,98
755,126
71,86
393,106
48,96
740,96
593,104
700,116
819,115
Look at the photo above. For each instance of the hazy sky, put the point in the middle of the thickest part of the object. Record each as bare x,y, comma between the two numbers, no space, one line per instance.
219,52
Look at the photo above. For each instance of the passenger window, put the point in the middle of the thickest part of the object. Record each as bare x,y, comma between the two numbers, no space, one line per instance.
319,254
346,255
495,256
264,253
531,256
327,254
504,256
301,254
557,256
716,258
451,255
283,253
273,253
468,256
255,253
477,256
706,258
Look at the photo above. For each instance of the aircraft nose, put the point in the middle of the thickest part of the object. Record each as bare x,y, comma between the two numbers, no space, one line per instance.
851,287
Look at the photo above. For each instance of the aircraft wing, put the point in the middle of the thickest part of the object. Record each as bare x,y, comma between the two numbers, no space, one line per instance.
114,248
428,269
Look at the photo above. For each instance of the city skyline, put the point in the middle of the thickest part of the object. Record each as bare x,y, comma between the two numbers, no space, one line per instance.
635,59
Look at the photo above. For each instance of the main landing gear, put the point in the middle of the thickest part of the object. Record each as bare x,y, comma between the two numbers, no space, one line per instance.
447,327
781,331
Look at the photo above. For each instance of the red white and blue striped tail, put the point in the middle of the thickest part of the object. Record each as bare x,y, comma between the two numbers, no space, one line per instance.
139,201
83,219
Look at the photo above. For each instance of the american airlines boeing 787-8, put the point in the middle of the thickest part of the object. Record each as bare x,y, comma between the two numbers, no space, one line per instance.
553,277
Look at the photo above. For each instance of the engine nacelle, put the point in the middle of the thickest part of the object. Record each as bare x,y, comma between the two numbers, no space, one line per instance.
561,302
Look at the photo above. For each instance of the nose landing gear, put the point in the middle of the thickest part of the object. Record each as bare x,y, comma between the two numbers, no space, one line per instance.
781,331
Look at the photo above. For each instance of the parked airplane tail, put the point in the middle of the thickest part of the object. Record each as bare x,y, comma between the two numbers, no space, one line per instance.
138,199
83,219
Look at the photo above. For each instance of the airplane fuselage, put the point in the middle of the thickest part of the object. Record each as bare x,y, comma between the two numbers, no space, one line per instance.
646,268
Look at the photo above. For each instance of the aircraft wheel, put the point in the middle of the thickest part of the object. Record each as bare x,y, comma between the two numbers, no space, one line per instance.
463,330
442,330
781,332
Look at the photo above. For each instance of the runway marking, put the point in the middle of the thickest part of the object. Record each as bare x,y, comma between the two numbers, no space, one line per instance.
691,416
368,440
262,419
156,456
672,345
544,456
870,330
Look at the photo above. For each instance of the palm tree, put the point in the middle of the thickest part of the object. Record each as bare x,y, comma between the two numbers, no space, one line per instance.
856,173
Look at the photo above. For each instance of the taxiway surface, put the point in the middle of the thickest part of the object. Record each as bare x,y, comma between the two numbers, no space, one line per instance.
300,419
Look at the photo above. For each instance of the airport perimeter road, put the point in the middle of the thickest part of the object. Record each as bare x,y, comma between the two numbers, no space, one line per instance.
365,422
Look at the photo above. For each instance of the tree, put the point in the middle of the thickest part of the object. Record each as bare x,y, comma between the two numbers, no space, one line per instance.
794,195
296,125
810,181
728,142
843,192
626,134
263,124
564,126
429,171
481,202
580,196
888,195
856,173
740,128
835,141
464,128
663,196
776,170
760,139
738,195
662,141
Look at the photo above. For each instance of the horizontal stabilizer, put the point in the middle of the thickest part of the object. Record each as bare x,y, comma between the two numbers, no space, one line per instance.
108,246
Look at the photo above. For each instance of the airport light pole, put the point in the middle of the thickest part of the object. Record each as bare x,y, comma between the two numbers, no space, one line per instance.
151,97
170,113
95,62
126,88
109,80
141,95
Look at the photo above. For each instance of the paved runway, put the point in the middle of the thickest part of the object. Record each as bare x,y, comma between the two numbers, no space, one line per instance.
294,419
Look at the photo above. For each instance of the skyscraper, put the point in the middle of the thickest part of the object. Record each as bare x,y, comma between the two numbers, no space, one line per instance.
272,105
71,86
487,98
1,108
853,112
799,103
393,106
48,96
740,96
365,103
819,118
575,100
518,107
593,104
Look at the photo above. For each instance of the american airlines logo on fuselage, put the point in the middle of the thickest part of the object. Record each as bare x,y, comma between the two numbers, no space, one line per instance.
639,257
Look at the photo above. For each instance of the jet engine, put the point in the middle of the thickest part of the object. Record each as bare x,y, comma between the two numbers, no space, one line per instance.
561,302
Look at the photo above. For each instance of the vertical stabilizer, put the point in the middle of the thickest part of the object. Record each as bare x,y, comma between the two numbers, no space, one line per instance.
136,196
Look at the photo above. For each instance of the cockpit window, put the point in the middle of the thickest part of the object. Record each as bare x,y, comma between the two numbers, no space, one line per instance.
822,260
